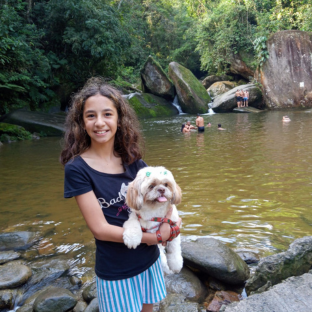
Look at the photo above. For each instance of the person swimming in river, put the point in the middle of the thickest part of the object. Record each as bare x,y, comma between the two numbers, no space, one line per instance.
184,129
286,119
189,126
200,123
220,128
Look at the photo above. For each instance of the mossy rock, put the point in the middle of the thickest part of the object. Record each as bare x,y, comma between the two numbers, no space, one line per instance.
192,95
148,106
9,132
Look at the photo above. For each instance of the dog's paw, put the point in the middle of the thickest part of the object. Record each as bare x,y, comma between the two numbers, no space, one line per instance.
132,239
166,270
175,263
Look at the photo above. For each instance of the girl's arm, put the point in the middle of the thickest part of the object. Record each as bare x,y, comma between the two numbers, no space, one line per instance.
102,230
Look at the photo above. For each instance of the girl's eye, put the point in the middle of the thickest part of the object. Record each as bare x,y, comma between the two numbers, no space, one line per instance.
90,116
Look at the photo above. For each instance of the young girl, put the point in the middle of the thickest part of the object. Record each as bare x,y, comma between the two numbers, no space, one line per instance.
102,154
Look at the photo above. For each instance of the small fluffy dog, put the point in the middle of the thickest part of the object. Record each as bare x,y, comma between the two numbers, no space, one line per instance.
150,195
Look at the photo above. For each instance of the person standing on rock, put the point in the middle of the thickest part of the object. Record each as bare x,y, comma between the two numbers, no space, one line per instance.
200,123
102,155
241,95
238,98
246,97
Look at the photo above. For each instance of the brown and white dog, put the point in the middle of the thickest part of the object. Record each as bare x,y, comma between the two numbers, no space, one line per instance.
150,195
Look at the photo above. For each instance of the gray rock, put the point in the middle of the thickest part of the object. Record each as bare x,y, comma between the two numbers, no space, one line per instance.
248,256
48,269
6,256
177,303
155,80
213,257
80,306
273,269
238,66
55,300
74,280
210,80
93,306
18,240
294,294
25,308
193,97
247,110
13,275
89,292
50,124
7,298
227,101
220,87
185,283
286,75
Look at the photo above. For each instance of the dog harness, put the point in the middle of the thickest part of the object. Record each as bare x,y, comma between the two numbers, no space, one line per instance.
174,229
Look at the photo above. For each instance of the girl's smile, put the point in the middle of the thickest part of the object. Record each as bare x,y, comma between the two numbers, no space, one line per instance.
100,119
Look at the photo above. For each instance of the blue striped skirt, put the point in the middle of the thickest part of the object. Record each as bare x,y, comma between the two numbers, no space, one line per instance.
130,294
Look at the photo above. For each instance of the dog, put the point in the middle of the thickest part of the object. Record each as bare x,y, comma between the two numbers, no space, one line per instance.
150,195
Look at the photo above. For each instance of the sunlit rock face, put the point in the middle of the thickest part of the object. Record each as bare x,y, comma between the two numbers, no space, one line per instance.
286,75
220,87
155,80
192,95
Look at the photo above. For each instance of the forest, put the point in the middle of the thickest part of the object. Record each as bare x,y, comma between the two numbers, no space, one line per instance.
48,48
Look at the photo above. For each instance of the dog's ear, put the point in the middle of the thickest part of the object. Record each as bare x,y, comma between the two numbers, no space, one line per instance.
133,199
177,195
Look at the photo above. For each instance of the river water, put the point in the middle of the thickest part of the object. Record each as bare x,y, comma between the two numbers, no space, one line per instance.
249,186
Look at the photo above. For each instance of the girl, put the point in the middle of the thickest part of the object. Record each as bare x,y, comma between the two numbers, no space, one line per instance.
102,154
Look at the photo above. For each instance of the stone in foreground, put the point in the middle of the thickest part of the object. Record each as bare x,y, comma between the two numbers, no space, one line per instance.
13,275
155,80
293,295
6,256
18,240
192,95
55,300
177,303
213,257
273,269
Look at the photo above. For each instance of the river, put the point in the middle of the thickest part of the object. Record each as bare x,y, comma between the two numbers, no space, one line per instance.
249,186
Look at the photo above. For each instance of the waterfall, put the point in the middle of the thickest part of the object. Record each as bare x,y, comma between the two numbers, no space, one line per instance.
210,110
129,96
176,104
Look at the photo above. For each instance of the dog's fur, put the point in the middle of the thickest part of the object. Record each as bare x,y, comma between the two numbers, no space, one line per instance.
151,194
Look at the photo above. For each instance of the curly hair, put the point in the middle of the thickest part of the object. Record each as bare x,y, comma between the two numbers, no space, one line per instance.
128,139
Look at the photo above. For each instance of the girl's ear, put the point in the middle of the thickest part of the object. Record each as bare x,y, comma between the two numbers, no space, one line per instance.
177,195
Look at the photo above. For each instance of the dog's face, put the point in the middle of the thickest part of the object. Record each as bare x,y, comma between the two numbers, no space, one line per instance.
153,187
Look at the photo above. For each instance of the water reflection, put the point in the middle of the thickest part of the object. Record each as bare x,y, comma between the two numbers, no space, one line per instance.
249,186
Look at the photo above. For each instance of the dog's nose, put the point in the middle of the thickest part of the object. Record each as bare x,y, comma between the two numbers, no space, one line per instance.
161,190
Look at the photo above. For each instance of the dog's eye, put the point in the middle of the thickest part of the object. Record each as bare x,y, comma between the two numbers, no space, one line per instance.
166,184
151,186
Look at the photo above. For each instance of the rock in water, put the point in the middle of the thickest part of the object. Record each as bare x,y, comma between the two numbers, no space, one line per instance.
13,275
192,95
18,240
286,75
273,269
293,295
213,257
185,283
227,101
155,80
55,300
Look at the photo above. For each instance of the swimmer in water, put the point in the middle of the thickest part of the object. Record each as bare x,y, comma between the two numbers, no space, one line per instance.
286,118
220,128
208,125
184,129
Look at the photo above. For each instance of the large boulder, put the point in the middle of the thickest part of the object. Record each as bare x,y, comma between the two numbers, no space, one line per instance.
238,66
213,257
294,294
192,95
13,275
273,269
155,80
286,75
49,124
6,256
147,105
220,87
227,101
210,80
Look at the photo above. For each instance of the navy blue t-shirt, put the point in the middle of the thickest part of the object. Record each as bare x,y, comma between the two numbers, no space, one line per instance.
114,261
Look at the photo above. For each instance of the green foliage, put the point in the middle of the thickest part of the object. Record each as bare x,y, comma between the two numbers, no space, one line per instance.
13,133
260,47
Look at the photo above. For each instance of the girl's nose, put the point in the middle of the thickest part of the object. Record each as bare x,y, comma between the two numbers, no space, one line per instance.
100,122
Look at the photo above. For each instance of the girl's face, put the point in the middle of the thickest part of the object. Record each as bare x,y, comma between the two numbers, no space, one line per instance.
100,119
